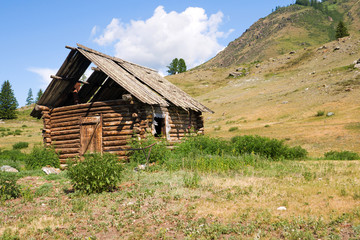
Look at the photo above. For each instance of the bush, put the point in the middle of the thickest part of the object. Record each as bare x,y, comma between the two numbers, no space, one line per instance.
159,152
202,145
266,147
233,129
343,155
96,173
320,113
8,187
41,157
14,155
20,145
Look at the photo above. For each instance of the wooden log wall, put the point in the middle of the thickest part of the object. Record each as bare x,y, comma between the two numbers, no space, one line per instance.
121,120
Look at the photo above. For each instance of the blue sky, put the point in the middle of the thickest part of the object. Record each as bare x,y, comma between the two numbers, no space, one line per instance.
150,33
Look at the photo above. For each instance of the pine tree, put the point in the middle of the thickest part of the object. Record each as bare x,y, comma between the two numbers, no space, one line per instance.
181,66
173,67
8,102
30,98
38,95
341,30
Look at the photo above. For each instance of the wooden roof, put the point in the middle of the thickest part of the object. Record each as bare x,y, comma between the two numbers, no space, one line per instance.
112,78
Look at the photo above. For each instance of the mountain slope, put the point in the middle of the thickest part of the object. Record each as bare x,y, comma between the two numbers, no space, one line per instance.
280,95
287,29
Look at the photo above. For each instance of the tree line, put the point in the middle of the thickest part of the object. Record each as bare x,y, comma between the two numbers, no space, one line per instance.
8,102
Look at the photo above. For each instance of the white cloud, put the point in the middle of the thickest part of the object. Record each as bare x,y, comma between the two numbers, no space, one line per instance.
44,74
190,35
94,31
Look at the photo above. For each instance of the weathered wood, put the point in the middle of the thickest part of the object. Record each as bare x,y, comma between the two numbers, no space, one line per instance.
118,128
71,48
118,149
47,140
115,115
54,129
65,124
114,119
91,105
115,143
65,137
119,123
114,138
83,112
71,155
67,79
65,132
118,133
66,142
67,150
67,119
41,108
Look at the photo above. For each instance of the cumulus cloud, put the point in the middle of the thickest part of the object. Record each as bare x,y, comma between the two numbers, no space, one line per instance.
190,35
44,74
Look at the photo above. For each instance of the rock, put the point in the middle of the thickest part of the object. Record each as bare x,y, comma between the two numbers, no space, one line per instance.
51,170
348,89
257,65
240,69
329,114
285,102
282,208
337,48
357,66
236,74
7,168
292,52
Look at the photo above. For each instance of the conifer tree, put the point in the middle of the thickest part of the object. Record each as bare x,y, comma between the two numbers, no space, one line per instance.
173,67
30,98
341,30
181,66
38,95
8,102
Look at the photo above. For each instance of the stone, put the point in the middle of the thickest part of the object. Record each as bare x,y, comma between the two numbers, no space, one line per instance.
7,168
236,74
282,208
357,66
240,69
292,52
285,102
329,114
51,170
336,48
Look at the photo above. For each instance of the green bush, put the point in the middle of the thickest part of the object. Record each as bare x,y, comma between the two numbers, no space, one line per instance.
200,145
191,180
320,113
270,148
8,187
41,157
14,155
159,152
343,155
96,173
233,129
20,145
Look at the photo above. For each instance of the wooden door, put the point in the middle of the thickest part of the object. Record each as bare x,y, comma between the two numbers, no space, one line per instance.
90,134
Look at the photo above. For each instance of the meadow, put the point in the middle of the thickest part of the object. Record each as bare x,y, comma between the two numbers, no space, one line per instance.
208,188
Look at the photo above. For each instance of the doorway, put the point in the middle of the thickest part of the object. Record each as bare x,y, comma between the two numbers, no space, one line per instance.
90,135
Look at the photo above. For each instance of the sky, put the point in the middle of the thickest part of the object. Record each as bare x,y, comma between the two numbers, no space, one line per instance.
34,33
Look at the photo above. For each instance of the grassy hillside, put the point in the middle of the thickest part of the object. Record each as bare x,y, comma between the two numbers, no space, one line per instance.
280,96
287,29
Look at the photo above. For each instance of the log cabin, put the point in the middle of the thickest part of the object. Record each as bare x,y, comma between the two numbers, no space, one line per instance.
118,101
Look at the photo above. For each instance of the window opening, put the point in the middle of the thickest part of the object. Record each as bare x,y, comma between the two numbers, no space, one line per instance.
159,124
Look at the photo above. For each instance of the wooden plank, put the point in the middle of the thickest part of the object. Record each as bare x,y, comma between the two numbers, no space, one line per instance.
119,123
114,138
115,143
118,133
66,142
65,124
65,128
65,119
66,137
65,132
67,150
119,128
108,109
69,145
91,105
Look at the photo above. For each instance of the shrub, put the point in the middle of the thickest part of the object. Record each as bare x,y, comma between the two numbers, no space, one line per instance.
159,152
191,180
14,155
233,129
96,173
41,157
320,113
20,145
8,187
269,148
343,155
203,145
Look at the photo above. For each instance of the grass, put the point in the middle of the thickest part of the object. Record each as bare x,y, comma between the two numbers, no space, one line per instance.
320,196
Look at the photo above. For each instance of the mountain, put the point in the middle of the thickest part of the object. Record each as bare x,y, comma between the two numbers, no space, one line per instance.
288,29
282,77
